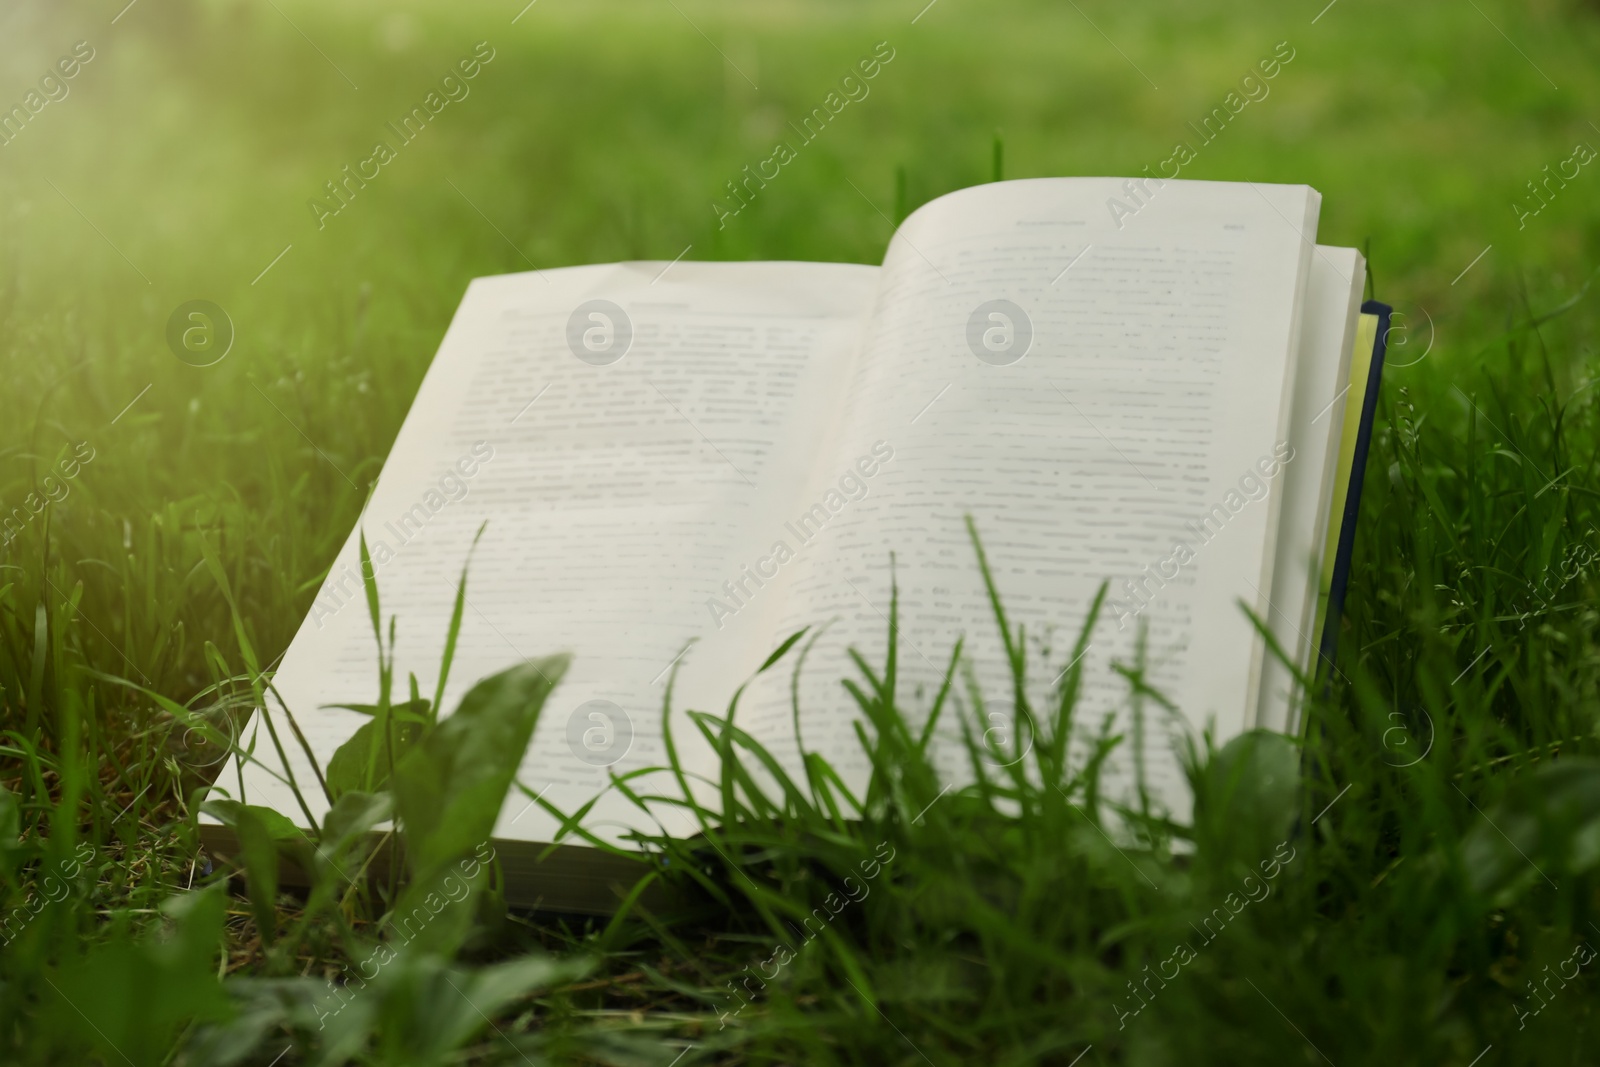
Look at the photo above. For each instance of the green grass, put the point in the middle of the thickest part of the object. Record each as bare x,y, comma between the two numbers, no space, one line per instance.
1414,911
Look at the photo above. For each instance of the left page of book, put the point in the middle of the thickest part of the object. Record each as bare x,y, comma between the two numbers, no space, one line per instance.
631,434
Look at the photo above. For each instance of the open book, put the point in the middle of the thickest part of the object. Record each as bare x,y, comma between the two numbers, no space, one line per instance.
682,464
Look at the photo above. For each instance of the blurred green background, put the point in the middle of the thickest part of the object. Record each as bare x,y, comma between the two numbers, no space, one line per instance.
180,165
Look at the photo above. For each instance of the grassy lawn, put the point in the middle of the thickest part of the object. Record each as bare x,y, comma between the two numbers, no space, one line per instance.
1434,841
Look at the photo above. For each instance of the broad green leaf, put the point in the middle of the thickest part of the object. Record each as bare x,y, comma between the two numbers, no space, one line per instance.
1248,796
259,853
449,791
340,852
418,1009
1547,827
262,1008
278,825
347,770
128,999
354,814
263,834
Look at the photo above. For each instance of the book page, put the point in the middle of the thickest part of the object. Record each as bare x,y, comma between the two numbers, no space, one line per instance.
1100,379
631,434
1321,393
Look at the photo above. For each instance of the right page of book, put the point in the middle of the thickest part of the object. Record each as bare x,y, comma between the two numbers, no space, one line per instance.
1098,372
